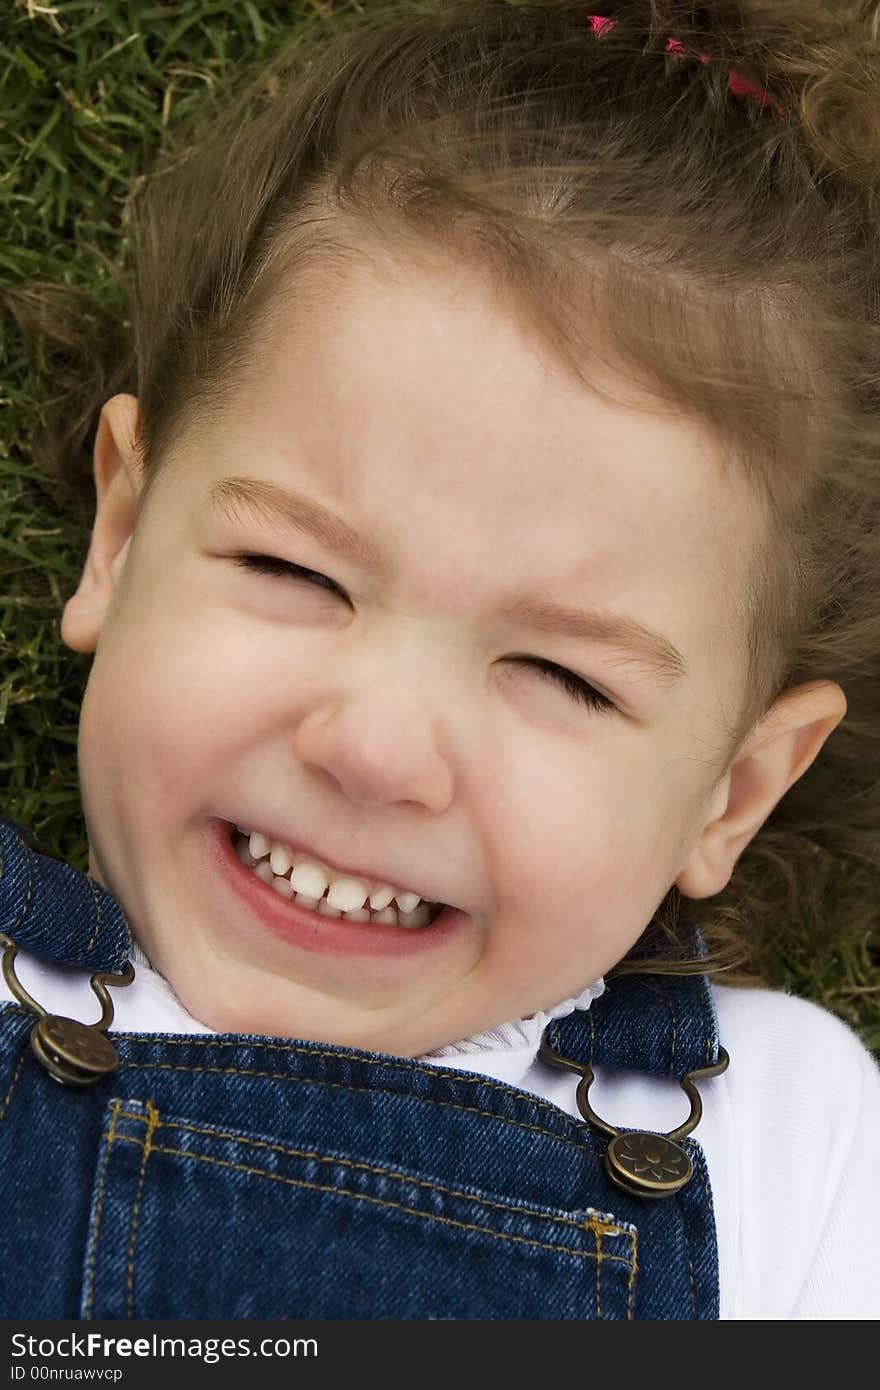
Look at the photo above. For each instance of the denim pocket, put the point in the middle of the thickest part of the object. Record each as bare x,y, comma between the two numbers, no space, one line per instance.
190,1220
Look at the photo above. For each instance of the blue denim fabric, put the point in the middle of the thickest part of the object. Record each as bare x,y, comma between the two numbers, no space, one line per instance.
50,908
235,1176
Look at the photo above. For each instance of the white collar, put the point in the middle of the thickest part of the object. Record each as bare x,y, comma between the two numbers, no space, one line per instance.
505,1052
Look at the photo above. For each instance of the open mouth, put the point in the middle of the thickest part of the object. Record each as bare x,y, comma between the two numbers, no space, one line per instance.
391,915
314,929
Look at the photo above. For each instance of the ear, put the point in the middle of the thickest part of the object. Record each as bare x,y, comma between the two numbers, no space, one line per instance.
785,743
118,484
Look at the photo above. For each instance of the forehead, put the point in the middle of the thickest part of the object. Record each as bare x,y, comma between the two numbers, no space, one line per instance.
416,403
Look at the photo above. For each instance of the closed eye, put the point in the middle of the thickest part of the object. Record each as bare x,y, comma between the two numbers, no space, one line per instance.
271,564
579,689
576,686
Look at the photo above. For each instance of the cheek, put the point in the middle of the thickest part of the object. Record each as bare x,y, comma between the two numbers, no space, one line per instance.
155,701
678,794
567,826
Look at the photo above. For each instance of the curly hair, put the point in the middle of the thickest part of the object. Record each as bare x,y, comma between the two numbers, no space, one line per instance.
631,201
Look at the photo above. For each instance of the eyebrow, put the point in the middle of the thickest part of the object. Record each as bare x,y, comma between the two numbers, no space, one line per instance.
650,649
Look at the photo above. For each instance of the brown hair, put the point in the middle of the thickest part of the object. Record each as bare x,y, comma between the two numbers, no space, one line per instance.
728,255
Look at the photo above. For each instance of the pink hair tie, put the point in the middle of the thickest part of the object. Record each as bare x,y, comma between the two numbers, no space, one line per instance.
739,85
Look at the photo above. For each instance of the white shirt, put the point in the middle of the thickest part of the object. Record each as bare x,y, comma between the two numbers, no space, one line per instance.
791,1132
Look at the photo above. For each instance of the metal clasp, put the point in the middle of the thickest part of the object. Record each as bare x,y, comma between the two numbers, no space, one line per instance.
73,1053
641,1164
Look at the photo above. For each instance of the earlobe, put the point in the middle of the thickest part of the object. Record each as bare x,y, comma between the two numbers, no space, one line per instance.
118,484
785,744
709,866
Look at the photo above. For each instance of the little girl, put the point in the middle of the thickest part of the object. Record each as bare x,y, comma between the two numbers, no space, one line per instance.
488,490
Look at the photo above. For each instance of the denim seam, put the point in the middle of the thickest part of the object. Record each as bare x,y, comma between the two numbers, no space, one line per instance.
29,891
599,1255
670,1007
597,1227
708,1198
687,1250
152,1122
535,1101
96,1218
710,1021
630,1297
369,1090
28,855
8,1097
378,1201
354,1057
97,902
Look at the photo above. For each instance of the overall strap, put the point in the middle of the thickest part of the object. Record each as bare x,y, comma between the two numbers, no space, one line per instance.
661,1024
54,910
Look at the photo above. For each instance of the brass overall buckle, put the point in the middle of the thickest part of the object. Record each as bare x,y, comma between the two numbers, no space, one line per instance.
642,1164
74,1053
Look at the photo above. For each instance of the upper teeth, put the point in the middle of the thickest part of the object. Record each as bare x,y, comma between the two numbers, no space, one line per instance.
311,877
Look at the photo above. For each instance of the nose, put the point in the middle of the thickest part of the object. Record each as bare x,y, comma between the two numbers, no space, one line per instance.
379,746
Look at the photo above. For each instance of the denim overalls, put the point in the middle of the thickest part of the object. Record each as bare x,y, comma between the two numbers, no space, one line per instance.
238,1176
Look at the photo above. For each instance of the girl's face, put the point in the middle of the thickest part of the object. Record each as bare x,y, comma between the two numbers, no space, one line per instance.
392,716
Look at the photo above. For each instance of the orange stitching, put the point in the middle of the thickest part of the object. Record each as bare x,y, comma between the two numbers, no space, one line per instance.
670,1007
709,1205
99,1201
599,1258
357,1057
634,1243
687,1248
97,902
341,1086
600,1227
29,892
379,1201
710,1018
8,1096
705,1007
152,1123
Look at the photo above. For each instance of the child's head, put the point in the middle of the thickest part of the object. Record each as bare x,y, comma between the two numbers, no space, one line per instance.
576,374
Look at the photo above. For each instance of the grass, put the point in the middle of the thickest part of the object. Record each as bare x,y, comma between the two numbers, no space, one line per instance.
89,92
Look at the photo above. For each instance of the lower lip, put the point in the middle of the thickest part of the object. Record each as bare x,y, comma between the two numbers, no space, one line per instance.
312,931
